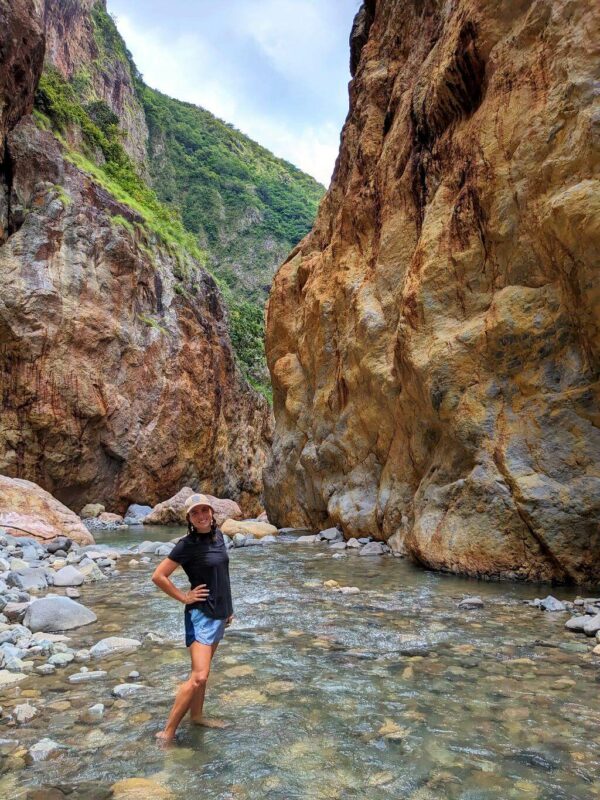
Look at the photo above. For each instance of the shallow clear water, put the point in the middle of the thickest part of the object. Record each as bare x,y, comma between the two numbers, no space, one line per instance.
390,693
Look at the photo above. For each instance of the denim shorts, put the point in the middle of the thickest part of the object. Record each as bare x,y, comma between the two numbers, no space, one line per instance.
199,627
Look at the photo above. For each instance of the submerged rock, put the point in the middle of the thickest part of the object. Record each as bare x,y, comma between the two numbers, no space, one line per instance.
112,645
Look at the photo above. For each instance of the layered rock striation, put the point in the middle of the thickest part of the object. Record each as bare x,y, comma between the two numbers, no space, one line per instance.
434,341
118,379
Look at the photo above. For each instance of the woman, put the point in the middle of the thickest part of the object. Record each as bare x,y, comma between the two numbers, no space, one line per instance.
208,606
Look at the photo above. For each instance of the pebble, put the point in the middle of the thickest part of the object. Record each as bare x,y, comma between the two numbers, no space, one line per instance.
46,669
61,659
576,623
93,713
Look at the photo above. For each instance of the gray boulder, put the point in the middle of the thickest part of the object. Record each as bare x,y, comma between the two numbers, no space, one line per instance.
29,579
577,623
68,576
552,604
136,513
372,549
592,626
331,534
60,543
57,614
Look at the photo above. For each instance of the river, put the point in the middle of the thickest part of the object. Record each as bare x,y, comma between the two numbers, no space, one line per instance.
390,693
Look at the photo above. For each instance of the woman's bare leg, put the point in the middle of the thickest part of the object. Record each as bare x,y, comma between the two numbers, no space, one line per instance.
198,698
201,656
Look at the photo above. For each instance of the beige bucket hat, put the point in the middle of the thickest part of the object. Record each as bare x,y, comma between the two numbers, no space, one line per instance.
197,500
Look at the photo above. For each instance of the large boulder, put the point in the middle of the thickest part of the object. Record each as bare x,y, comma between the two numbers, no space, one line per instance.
28,510
68,576
172,511
57,614
136,513
248,528
29,579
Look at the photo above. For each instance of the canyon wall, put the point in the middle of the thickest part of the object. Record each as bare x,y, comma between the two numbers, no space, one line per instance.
434,341
118,379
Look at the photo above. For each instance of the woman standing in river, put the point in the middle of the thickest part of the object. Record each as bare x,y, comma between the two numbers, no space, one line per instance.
208,606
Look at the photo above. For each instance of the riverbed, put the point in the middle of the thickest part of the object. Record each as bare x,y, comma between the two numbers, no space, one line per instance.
393,692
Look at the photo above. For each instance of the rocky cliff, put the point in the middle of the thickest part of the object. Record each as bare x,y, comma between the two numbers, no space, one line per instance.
434,342
117,374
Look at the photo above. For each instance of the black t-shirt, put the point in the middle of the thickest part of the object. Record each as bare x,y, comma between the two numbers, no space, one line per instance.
206,562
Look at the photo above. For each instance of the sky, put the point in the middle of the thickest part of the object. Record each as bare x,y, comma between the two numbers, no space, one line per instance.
276,69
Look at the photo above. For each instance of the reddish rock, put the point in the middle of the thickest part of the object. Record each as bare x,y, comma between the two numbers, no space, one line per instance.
29,511
172,511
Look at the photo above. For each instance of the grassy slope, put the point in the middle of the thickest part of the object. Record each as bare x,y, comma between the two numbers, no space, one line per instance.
215,194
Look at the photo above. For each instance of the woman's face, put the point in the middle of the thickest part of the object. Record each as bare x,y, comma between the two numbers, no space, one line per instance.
201,517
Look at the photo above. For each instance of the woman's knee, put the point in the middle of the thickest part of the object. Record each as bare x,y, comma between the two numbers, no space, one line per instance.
198,679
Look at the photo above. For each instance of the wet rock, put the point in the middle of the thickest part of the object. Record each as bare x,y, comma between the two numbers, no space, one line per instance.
349,590
61,659
140,789
10,678
93,714
471,602
88,677
68,576
24,712
57,614
576,623
43,749
372,549
330,535
91,571
82,655
353,543
46,669
112,645
268,539
134,675
128,689
307,539
337,546
550,603
72,592
592,626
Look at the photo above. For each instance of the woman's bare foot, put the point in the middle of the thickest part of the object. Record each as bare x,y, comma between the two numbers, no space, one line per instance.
165,736
211,722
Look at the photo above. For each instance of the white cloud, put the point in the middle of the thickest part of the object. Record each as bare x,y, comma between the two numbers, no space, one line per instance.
295,38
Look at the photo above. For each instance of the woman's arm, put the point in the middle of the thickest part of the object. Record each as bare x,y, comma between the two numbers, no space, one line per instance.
160,577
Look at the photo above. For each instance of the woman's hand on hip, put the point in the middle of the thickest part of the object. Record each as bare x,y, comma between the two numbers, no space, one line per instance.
197,593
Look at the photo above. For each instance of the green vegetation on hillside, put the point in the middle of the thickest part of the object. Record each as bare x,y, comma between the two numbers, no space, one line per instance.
215,194
247,207
56,100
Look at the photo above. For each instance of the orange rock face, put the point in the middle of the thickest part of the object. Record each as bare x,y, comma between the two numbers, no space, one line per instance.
434,342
